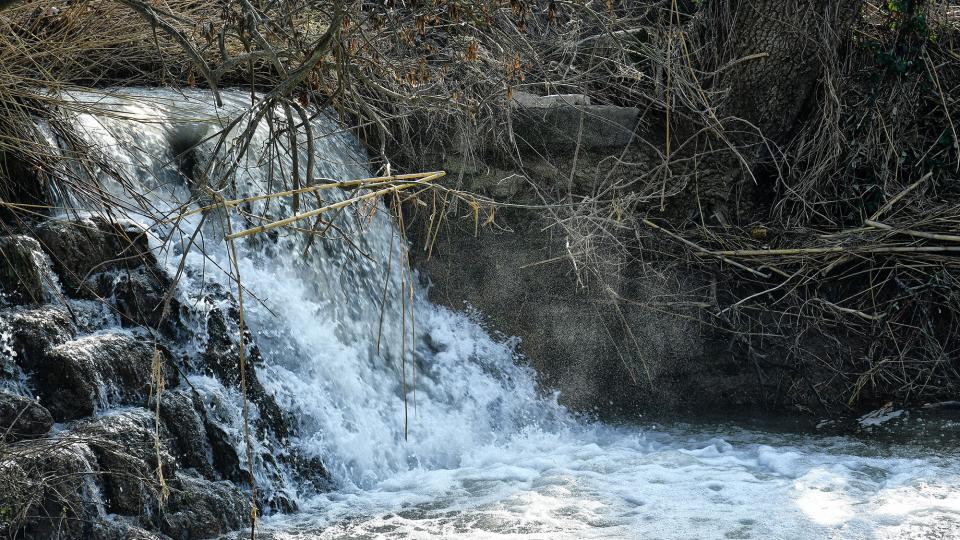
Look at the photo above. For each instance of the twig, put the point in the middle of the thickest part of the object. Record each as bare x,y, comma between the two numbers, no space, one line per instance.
324,209
761,293
916,234
332,185
721,255
902,194
835,249
856,312
241,346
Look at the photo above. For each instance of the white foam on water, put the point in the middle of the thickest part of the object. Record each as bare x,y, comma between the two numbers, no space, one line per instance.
468,447
628,482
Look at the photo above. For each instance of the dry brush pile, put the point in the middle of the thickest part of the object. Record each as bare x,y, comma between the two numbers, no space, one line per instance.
844,272
800,169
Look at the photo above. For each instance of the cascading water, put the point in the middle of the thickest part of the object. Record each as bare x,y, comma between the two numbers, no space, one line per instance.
427,425
329,314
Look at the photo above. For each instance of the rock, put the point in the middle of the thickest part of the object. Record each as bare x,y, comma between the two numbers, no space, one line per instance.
125,446
98,480
116,529
25,334
588,342
216,315
500,184
24,184
22,418
221,354
34,331
528,100
199,508
22,269
226,461
49,490
79,377
179,409
224,427
221,358
311,469
221,414
81,248
140,295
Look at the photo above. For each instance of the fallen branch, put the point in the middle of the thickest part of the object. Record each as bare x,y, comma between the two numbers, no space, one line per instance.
902,194
916,234
701,250
319,187
335,206
836,249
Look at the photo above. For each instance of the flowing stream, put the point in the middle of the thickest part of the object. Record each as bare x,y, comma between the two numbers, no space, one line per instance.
428,425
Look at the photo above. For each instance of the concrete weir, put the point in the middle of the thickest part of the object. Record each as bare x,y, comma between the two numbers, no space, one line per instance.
570,120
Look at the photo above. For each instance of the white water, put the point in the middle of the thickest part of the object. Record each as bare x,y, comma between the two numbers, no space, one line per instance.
484,454
606,482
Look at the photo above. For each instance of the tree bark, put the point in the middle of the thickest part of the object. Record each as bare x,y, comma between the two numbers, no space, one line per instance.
771,55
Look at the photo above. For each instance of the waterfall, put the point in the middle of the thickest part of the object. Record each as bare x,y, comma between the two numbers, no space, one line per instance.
375,412
375,378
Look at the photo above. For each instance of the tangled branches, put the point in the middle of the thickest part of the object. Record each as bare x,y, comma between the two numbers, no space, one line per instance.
798,160
823,237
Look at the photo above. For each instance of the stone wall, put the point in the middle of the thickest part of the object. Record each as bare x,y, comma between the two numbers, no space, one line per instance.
614,338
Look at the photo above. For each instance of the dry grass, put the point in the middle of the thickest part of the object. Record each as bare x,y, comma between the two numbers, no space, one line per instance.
840,286
815,256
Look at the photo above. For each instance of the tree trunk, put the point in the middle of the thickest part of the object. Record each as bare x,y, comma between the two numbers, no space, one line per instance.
770,56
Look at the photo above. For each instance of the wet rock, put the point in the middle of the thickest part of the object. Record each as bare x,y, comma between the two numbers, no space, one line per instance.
127,445
199,508
81,248
180,411
33,331
224,424
311,469
98,480
221,358
22,418
79,377
117,529
49,490
140,296
221,354
25,185
226,461
22,269
25,334
221,416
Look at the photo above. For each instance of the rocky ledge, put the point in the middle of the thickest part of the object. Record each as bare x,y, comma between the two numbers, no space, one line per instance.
102,435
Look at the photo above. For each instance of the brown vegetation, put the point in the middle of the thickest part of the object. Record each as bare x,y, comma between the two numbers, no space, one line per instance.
799,159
